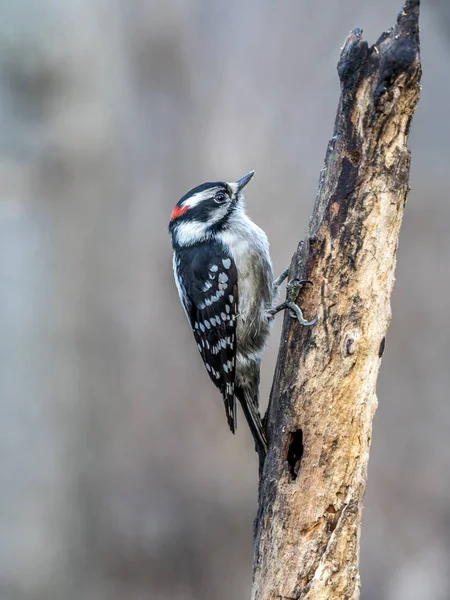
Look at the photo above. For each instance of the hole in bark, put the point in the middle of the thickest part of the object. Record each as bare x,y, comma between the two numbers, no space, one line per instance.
295,453
381,348
355,156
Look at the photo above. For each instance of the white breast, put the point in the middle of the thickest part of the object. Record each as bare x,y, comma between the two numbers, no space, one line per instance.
249,248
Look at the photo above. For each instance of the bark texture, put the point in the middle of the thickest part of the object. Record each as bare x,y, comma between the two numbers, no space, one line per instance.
323,398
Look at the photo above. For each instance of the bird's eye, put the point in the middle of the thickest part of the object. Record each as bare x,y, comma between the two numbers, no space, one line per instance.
219,197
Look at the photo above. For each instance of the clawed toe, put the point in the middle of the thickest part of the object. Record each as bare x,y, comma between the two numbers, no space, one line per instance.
292,290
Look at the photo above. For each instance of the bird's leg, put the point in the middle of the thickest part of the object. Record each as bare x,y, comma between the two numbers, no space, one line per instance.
278,281
292,290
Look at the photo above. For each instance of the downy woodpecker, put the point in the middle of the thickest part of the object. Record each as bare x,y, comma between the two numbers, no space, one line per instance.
223,273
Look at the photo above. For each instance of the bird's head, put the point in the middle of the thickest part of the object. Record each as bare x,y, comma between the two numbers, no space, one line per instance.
206,210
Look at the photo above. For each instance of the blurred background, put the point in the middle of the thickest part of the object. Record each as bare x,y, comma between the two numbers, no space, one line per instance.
119,478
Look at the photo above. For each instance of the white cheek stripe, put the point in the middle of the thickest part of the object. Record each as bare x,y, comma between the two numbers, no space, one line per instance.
189,232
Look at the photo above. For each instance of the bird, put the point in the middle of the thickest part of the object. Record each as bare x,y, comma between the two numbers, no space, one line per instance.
224,277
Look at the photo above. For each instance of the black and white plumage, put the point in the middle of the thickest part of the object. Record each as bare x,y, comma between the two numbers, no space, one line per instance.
207,280
223,273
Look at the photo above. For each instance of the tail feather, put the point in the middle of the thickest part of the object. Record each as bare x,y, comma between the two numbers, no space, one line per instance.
249,403
230,408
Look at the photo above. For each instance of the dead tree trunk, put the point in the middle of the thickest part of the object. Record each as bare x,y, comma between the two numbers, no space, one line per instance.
323,398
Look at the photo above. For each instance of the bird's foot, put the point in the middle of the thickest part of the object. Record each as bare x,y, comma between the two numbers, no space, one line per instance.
278,281
292,289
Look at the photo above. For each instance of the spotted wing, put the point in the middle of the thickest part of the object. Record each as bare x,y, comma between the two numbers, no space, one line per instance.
209,280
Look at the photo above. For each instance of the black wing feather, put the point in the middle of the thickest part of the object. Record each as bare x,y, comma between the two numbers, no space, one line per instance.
208,276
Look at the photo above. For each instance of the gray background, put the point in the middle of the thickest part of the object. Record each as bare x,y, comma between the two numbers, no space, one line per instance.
118,477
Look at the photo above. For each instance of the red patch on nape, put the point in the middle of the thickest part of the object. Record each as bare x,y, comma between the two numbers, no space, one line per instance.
178,210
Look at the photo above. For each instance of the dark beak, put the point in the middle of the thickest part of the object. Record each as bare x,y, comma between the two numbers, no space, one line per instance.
242,182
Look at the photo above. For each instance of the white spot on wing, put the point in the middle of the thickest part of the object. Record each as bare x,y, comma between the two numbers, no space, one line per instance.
226,262
223,277
213,268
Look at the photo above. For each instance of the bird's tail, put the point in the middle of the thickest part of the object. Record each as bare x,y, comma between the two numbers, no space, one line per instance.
249,402
230,407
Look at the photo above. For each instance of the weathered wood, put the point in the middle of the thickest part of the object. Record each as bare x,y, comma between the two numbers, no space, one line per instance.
323,398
